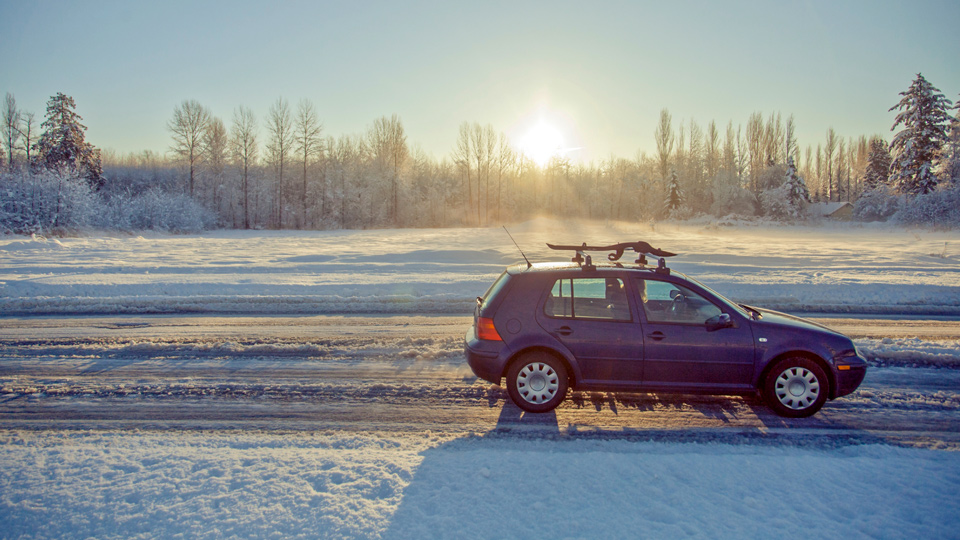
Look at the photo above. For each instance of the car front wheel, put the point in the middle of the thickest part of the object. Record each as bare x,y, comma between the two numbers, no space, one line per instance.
796,387
537,382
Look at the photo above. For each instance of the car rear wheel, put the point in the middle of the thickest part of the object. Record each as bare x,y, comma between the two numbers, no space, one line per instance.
537,382
796,387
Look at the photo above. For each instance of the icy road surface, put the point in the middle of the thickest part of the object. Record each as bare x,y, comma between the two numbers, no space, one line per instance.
408,374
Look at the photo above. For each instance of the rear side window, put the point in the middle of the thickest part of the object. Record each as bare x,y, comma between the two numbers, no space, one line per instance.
588,298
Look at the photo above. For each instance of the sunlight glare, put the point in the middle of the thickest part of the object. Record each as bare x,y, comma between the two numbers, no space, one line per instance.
542,142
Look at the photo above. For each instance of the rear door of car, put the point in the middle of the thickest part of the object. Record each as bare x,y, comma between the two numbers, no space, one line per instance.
592,316
680,350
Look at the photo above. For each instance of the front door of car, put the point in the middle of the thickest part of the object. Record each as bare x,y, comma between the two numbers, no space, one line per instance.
681,351
593,320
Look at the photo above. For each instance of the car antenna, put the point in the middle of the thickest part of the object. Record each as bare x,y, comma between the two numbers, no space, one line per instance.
518,246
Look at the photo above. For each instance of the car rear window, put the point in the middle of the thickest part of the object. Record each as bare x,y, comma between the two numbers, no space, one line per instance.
588,298
495,289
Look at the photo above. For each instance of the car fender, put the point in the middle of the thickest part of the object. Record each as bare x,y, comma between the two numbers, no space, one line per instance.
530,342
796,345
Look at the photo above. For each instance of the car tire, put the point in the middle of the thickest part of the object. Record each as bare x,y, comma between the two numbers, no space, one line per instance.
537,382
796,387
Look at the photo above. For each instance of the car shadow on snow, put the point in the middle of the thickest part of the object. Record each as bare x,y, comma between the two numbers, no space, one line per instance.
722,408
526,477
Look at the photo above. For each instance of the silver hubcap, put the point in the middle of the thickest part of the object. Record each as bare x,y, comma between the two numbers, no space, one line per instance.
537,382
797,388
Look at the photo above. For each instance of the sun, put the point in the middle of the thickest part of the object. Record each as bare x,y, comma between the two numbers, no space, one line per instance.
541,143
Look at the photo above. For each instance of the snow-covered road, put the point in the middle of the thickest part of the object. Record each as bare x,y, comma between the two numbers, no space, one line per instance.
407,374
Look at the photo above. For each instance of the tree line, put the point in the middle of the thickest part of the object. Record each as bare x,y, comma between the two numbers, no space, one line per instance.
284,172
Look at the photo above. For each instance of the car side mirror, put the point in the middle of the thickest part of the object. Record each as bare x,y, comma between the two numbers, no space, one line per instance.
722,320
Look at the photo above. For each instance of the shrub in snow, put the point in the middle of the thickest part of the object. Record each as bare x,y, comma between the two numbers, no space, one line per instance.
776,205
771,177
939,209
730,199
158,210
45,202
877,204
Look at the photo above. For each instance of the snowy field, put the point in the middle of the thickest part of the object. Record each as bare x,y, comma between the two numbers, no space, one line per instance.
524,478
838,269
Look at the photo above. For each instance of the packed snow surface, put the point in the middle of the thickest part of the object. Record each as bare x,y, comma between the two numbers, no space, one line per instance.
334,485
843,268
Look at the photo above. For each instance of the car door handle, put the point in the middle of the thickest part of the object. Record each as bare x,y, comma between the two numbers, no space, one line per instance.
564,330
656,336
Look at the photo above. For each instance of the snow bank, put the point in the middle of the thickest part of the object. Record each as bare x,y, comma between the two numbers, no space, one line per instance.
146,485
848,268
911,351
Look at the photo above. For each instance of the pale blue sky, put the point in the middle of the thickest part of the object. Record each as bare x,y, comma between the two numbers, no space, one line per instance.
601,71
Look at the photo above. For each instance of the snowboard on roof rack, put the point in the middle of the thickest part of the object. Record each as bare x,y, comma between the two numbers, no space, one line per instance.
616,251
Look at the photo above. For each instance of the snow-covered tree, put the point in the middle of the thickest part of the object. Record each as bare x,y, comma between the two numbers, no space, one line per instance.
786,201
674,201
923,115
877,172
62,147
950,158
797,193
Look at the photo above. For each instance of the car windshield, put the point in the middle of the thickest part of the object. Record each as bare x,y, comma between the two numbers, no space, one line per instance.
733,305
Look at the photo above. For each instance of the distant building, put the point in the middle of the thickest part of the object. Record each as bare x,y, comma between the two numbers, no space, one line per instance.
838,211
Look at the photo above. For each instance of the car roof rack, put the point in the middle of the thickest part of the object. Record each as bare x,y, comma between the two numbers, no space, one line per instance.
616,251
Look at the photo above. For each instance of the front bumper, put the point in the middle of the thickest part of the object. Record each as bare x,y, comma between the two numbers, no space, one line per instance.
850,373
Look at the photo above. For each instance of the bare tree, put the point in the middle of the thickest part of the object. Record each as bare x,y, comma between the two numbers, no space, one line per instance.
790,141
504,158
189,122
462,155
215,147
388,143
309,146
26,132
280,127
243,140
829,148
773,141
712,151
756,146
663,136
11,127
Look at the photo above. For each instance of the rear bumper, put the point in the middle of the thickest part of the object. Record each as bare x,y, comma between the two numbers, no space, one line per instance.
483,357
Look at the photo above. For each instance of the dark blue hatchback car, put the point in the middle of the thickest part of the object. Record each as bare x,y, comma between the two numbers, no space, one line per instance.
610,327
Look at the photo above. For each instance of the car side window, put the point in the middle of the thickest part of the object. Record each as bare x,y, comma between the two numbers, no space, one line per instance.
588,298
665,302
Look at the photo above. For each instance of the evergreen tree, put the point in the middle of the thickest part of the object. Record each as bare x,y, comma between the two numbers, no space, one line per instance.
923,114
950,159
62,147
796,187
877,172
675,198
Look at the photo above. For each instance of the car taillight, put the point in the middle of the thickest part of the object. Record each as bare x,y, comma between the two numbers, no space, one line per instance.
486,330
